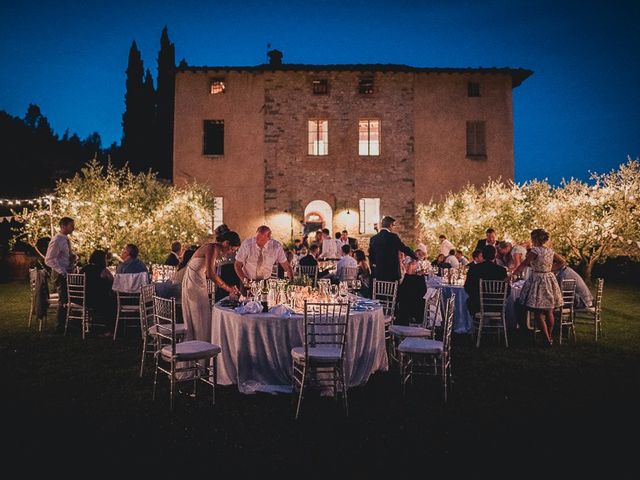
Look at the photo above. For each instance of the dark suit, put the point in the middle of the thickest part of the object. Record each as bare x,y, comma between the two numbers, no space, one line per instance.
483,241
477,271
383,255
172,259
308,261
353,243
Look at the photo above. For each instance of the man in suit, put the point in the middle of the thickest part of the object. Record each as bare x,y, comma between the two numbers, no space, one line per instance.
490,239
486,270
174,256
353,243
384,247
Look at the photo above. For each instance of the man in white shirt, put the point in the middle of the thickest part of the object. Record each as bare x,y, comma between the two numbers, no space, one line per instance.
61,259
445,245
346,260
329,246
451,259
257,256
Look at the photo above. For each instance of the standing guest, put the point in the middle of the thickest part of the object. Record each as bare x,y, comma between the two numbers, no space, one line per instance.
509,255
257,256
329,247
364,273
487,270
173,258
226,265
462,260
541,292
61,259
130,261
98,292
445,245
490,239
196,306
384,247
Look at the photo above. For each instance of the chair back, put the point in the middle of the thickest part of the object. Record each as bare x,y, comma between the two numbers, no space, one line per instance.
568,288
33,276
598,301
348,273
448,328
76,288
325,325
493,295
310,271
386,292
146,307
431,311
164,319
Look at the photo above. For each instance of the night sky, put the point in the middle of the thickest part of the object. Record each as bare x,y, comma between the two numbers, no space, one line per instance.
579,111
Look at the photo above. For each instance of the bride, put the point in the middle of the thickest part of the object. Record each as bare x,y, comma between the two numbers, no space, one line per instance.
196,309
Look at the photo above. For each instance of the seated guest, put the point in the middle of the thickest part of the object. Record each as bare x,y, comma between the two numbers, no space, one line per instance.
173,258
353,243
364,273
477,256
451,259
98,293
462,260
439,264
583,298
486,270
130,262
411,292
311,260
346,260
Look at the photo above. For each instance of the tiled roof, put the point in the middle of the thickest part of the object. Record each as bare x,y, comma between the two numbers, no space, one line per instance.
518,75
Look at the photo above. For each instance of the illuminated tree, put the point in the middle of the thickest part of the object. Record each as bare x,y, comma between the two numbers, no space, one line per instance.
112,207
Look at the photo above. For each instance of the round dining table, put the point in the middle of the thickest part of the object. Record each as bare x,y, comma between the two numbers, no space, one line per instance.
256,348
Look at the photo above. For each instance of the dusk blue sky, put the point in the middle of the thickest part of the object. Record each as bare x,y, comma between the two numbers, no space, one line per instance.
579,111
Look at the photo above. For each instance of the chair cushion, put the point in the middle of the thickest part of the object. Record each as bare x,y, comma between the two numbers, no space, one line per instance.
585,311
420,345
181,329
317,354
191,350
408,331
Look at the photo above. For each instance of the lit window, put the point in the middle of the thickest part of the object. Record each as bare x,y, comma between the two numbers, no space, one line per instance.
369,214
321,86
369,137
218,212
473,89
476,140
217,86
213,137
318,137
365,86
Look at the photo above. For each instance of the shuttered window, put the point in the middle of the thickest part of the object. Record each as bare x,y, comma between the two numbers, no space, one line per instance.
476,140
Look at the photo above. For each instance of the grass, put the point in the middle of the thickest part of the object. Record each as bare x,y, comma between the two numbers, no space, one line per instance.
69,402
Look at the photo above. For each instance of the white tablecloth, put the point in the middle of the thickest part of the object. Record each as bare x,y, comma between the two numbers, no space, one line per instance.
256,348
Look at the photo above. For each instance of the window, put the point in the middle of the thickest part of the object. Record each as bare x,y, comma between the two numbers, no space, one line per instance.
318,137
476,145
369,214
473,89
321,86
369,137
218,211
213,137
365,86
217,86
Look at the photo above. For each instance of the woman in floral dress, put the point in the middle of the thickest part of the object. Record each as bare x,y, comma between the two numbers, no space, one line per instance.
541,292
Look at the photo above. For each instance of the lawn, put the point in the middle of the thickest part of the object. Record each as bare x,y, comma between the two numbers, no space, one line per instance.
69,402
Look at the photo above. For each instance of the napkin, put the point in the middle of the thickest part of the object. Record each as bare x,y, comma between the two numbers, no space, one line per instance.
249,307
281,311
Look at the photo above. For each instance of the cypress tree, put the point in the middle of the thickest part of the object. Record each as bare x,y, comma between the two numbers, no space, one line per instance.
133,119
165,98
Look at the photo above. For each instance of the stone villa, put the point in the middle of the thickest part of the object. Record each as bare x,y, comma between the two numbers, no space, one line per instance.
302,146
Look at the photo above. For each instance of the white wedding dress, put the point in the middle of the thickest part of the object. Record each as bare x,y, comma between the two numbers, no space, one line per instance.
196,309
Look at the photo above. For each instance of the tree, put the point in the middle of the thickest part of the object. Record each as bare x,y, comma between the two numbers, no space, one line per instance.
165,108
113,207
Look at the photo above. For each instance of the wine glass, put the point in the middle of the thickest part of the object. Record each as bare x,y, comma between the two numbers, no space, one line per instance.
343,290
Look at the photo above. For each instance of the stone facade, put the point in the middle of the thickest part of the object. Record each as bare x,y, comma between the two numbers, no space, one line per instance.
266,175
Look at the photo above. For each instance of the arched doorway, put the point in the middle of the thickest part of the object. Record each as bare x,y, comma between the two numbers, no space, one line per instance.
317,214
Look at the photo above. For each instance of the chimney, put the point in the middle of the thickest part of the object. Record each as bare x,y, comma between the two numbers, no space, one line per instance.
275,57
